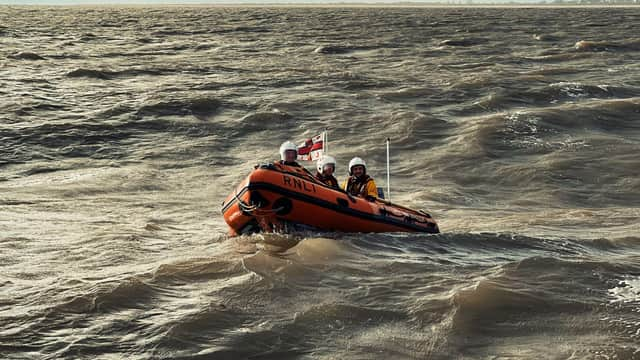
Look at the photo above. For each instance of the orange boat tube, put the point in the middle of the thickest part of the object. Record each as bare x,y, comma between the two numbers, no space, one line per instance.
280,198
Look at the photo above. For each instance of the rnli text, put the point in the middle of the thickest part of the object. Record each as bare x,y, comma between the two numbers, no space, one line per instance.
298,184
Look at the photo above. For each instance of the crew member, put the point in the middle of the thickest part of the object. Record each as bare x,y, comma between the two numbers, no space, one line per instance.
359,183
289,154
326,166
288,157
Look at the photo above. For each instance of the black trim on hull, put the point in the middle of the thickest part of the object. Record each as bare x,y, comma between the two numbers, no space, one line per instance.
226,206
329,205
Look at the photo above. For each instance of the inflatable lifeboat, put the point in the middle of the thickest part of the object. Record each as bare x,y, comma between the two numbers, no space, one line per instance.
281,198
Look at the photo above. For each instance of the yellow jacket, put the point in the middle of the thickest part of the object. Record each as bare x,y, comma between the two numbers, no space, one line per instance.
360,187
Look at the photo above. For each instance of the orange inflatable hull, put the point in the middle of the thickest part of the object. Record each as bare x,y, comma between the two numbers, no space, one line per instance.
280,198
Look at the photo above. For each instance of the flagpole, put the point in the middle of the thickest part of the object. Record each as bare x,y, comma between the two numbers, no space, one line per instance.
388,176
326,142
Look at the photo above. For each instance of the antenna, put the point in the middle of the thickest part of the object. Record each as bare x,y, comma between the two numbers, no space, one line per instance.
388,173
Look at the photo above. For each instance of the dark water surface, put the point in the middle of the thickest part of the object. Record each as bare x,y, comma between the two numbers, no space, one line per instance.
123,129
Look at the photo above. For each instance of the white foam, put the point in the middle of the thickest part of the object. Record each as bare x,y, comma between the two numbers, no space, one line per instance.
627,291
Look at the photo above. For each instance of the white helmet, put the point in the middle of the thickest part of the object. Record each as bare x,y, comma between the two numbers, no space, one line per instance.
325,160
356,161
287,145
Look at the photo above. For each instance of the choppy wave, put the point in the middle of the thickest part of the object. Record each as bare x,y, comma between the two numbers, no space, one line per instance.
107,74
518,289
628,45
25,55
123,129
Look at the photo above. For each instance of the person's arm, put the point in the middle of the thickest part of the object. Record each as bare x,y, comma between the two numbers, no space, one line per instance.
344,185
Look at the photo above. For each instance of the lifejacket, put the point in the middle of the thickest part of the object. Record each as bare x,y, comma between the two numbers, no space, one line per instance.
358,186
329,180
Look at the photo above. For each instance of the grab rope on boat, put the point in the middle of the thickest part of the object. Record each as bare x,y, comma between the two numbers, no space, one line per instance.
250,208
